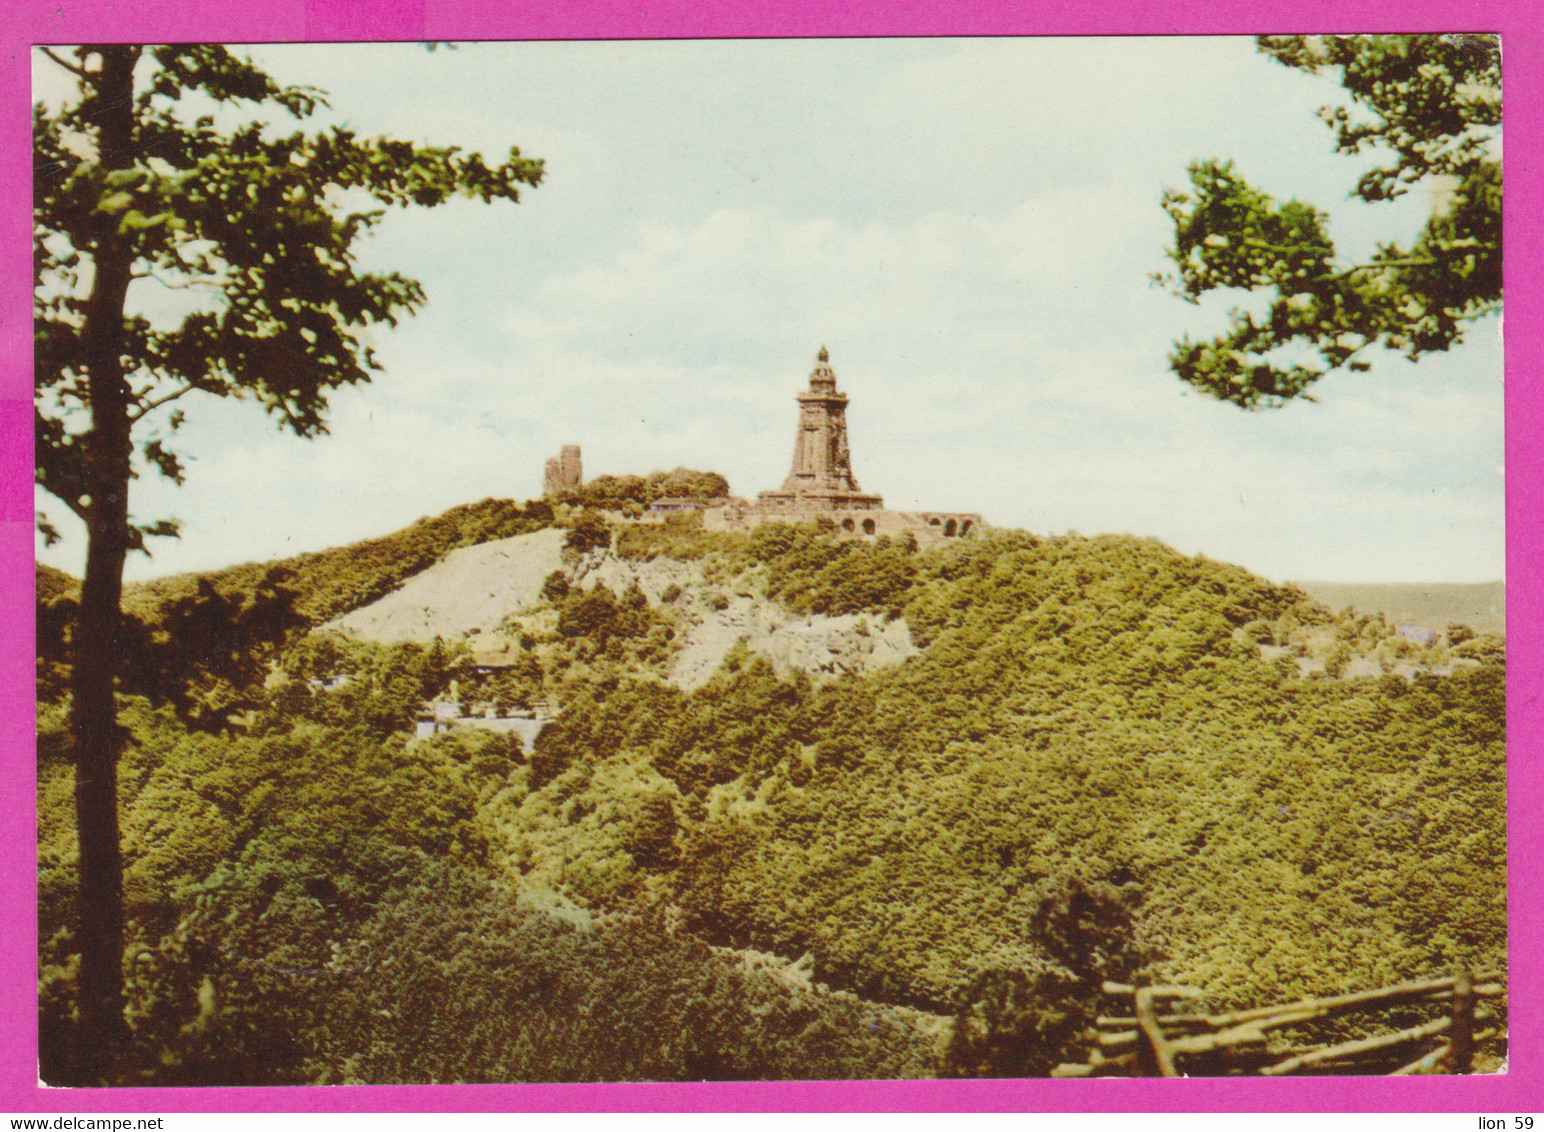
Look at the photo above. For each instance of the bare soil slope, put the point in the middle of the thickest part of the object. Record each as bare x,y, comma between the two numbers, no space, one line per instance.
468,591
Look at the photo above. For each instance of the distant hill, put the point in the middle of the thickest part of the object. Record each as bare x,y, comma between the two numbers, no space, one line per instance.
1481,606
52,583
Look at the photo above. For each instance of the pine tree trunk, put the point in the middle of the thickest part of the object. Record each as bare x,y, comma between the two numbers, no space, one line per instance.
97,634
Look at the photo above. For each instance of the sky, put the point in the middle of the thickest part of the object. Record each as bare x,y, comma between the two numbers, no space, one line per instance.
969,225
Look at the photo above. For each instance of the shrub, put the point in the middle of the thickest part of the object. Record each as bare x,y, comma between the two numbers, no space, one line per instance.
588,533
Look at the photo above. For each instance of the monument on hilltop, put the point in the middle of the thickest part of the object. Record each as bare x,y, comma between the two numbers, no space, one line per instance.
821,487
821,477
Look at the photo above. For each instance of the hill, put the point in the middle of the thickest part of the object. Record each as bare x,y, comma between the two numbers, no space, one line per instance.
1435,605
1092,758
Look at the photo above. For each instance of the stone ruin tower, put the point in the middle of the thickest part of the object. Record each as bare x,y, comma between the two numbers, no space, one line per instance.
821,478
564,472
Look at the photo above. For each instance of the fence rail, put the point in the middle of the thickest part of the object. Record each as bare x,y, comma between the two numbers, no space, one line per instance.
1147,1043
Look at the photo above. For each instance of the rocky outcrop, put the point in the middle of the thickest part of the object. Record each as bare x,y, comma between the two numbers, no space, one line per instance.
473,590
820,646
654,577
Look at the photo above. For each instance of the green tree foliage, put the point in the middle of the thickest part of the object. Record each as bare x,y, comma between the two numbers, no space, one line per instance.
137,183
359,686
1457,633
1429,107
207,652
52,584
58,597
1090,768
303,826
1487,648
589,532
1091,931
808,571
743,722
614,492
554,586
587,613
651,840
1014,1024
679,536
204,649
313,905
240,614
1095,769
475,990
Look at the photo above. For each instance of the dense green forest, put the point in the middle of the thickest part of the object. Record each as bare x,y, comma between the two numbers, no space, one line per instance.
1108,760
1086,711
632,494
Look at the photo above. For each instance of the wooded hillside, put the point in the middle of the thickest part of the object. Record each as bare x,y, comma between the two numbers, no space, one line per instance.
1108,760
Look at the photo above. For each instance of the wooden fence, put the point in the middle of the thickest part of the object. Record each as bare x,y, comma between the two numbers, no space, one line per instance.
1261,1041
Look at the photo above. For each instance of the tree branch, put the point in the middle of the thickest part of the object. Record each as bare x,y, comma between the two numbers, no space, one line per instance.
185,286
149,406
71,67
82,510
1378,266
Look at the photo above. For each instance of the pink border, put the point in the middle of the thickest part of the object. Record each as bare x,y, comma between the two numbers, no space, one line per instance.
73,21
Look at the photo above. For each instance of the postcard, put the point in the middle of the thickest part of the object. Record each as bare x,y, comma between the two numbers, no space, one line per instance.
842,561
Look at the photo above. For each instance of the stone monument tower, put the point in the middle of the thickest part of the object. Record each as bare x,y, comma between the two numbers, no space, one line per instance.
821,478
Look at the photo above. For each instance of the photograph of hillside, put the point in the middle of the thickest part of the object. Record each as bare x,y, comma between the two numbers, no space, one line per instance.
507,701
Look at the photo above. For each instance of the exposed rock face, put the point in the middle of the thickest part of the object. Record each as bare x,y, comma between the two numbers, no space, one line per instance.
472,590
714,622
819,646
654,577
